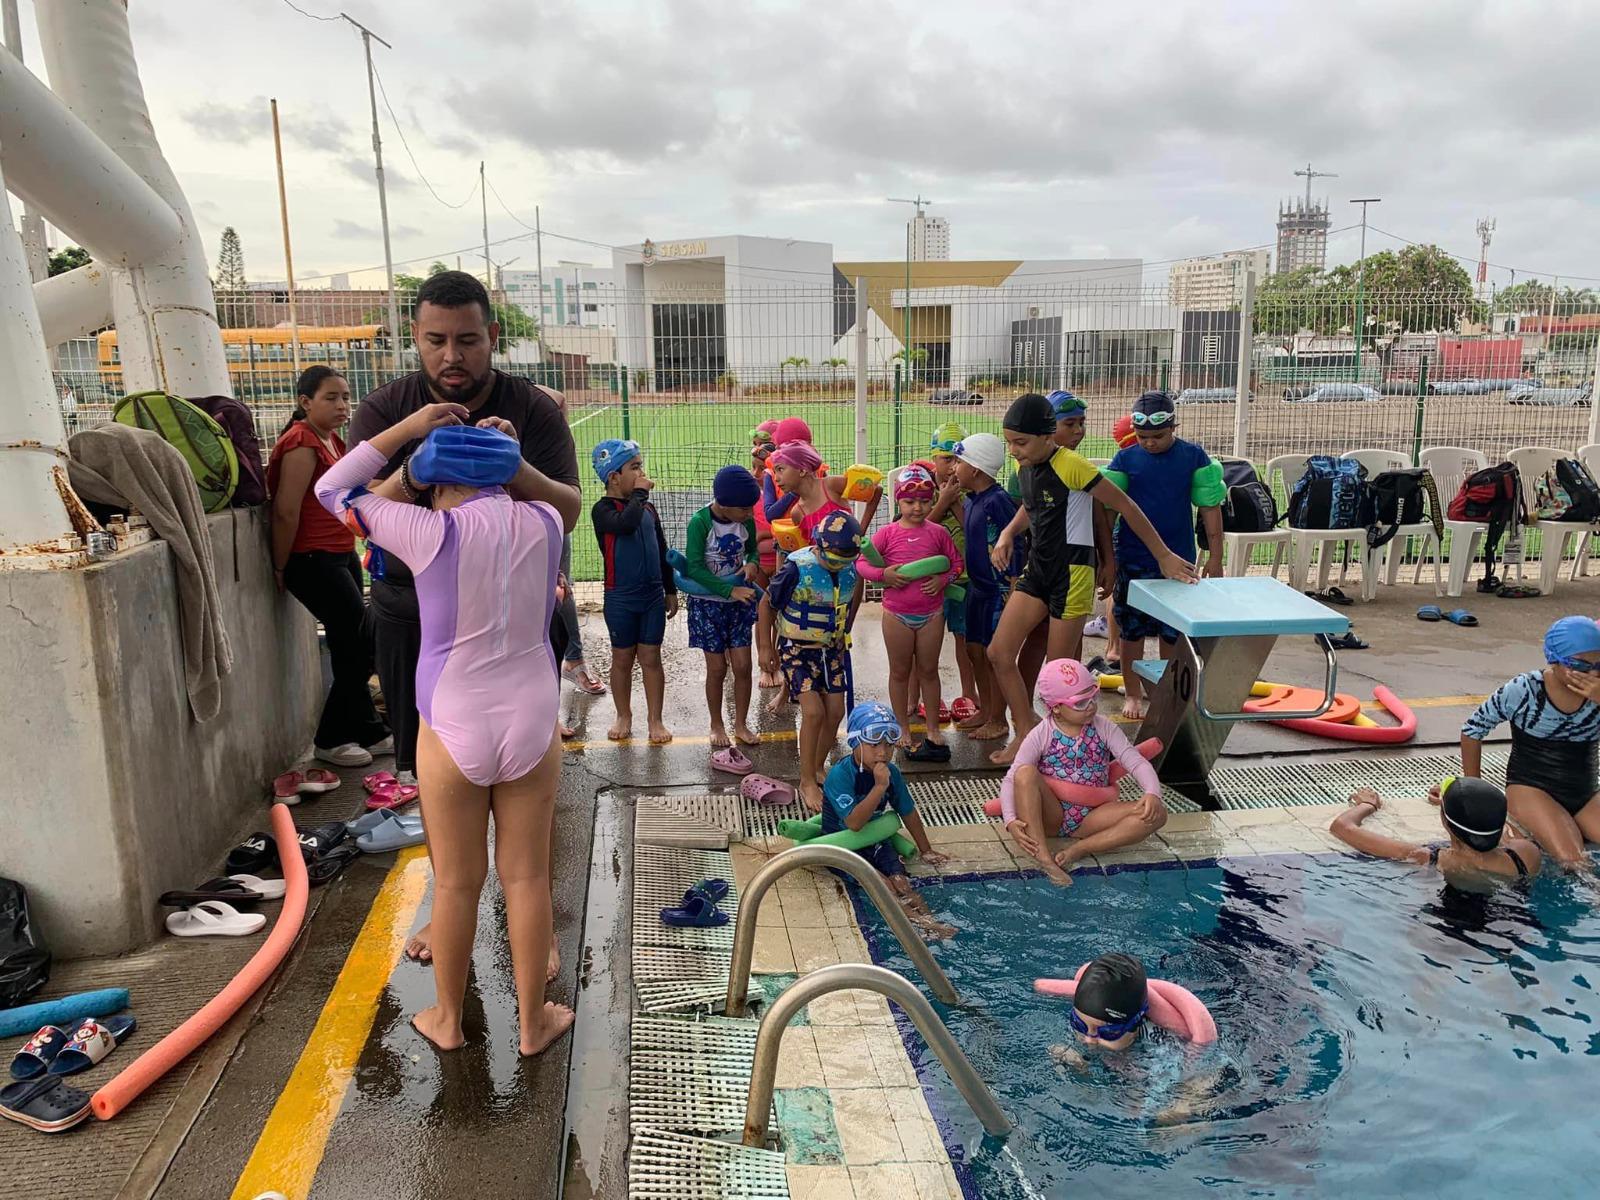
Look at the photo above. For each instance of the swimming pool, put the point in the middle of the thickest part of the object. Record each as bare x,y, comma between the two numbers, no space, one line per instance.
1379,1034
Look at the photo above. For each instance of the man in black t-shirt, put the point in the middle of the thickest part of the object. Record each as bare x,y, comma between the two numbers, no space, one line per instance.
455,336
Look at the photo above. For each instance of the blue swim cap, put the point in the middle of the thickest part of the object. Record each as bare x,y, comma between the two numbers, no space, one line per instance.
837,534
735,487
467,455
1065,404
611,455
1570,637
871,722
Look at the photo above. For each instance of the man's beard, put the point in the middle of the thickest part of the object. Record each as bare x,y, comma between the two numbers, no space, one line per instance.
458,393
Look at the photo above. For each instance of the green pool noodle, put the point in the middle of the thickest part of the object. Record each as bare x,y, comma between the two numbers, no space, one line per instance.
934,564
870,553
874,831
955,592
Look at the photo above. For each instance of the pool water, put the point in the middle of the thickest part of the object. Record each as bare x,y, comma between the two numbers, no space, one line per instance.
1380,1034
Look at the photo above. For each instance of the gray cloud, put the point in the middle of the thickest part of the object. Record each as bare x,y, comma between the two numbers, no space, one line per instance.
355,231
250,120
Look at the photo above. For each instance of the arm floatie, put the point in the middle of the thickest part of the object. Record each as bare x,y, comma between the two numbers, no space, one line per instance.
691,587
861,481
788,535
1172,1006
882,828
934,564
1120,478
1206,489
956,592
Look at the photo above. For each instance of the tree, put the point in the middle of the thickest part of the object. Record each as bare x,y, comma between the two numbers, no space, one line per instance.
833,365
796,361
513,320
230,262
1419,289
68,258
1534,297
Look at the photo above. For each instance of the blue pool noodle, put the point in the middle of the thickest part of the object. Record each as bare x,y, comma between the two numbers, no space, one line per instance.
14,1022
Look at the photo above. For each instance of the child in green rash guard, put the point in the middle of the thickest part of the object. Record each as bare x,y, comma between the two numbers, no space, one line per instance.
721,556
949,510
1164,475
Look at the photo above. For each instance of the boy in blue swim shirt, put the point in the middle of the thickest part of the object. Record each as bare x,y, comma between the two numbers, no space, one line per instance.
866,784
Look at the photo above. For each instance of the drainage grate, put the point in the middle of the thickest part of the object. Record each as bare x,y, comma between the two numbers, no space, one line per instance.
708,810
1292,784
958,800
661,875
701,994
663,962
672,1166
689,1074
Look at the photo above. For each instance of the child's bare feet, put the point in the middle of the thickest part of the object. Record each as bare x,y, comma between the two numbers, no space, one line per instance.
445,1035
420,946
776,703
552,965
1003,757
989,732
745,737
975,721
719,738
550,1024
769,679
1068,857
621,729
1134,708
660,735
811,793
905,742
567,731
1054,873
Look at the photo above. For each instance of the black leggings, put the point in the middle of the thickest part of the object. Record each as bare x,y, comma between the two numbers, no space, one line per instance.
330,586
567,617
397,644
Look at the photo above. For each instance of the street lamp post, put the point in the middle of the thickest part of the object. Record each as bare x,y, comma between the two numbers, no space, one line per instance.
1361,277
905,344
367,38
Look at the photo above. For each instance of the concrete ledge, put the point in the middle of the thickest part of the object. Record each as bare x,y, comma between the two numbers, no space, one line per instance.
112,793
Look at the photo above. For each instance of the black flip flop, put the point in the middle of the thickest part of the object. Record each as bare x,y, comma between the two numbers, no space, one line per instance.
229,890
1332,596
929,752
316,842
326,866
48,1105
1348,641
256,853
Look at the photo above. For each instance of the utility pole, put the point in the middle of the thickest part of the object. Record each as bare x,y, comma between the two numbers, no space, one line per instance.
1361,276
33,239
367,38
488,267
288,257
1310,175
905,342
538,252
1485,232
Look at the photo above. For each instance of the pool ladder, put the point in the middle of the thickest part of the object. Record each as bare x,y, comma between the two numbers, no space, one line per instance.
843,976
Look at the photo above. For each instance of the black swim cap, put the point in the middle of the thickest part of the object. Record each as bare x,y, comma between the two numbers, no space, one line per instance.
1475,811
1154,402
1111,988
1031,413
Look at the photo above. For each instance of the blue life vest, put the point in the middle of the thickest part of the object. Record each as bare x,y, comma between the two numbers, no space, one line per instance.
820,604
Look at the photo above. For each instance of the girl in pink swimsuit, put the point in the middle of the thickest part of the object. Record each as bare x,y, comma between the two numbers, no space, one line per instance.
1075,744
487,688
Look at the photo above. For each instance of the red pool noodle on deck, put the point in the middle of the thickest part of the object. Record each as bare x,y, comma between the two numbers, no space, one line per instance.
1372,734
1081,794
1172,1006
155,1062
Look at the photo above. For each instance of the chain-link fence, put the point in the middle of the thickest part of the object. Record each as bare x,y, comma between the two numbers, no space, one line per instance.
689,371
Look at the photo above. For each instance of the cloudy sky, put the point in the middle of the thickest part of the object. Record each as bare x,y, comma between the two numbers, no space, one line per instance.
1156,130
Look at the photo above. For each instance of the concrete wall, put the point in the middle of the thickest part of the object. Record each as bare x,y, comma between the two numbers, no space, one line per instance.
113,793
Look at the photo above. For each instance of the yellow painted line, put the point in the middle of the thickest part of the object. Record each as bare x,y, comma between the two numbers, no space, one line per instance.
291,1145
1431,702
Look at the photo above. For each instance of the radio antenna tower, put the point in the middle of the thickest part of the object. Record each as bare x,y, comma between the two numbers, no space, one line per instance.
1485,233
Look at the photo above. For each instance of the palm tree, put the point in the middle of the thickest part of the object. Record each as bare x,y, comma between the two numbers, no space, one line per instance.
833,365
917,354
796,361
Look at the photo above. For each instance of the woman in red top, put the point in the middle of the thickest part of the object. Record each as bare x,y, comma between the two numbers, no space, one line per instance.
314,558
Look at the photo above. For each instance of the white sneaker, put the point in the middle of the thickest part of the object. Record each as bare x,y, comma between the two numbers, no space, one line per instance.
1096,628
406,778
347,755
384,747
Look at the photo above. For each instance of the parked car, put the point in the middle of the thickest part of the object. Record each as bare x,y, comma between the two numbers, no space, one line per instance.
1323,393
1212,395
1554,397
954,396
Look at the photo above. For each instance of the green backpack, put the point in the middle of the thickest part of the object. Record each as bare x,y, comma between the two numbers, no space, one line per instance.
204,444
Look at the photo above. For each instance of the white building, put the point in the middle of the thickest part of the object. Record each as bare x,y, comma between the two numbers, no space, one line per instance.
574,293
929,238
1216,281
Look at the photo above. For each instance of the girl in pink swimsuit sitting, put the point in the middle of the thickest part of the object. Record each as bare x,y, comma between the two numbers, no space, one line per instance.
1075,745
487,689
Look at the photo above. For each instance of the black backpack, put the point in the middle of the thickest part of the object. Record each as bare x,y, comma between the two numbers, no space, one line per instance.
1248,506
1396,498
1582,491
1330,495
1494,496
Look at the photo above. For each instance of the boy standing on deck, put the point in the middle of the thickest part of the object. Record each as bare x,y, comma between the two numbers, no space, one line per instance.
980,458
949,510
720,554
640,593
1164,475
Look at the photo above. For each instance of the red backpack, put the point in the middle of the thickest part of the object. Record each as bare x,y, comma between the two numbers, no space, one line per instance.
1492,495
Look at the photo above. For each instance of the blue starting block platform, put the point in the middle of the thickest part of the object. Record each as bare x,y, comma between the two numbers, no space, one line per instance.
1226,630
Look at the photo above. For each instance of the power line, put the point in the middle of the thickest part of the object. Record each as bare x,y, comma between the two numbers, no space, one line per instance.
1474,260
396,122
304,13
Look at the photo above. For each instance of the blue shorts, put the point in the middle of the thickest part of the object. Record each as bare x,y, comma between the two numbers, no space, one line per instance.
812,667
1134,623
717,626
884,858
955,615
635,621
983,615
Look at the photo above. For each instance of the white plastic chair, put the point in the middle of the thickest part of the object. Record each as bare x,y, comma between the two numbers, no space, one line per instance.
1304,543
1450,466
1589,456
1377,461
1239,548
1532,462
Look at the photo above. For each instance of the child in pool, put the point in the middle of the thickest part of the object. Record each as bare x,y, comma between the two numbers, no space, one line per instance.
1551,786
1076,745
867,784
913,617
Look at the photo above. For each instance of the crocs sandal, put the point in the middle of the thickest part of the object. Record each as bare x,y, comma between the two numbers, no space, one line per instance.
732,760
213,918
1461,617
964,709
1430,612
929,752
763,789
714,890
697,913
92,1042
376,780
268,889
226,889
392,795
38,1052
255,854
944,712
325,868
48,1105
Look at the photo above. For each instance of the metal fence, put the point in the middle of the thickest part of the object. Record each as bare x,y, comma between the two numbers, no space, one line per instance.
689,371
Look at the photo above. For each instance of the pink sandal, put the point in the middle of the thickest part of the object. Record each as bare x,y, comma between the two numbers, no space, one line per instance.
763,789
391,795
731,760
376,780
318,780
286,787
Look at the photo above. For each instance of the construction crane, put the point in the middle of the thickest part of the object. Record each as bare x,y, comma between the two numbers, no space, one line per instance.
1310,175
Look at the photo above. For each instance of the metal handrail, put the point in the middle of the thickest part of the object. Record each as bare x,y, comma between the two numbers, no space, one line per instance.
1330,682
864,976
864,873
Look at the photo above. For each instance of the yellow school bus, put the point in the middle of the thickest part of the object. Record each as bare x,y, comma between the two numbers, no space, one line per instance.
261,361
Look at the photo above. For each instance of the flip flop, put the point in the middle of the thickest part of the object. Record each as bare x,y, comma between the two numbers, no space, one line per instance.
48,1105
697,913
228,889
38,1052
317,780
92,1042
325,868
377,818
213,918
1460,616
378,779
1348,641
269,889
316,842
1430,612
714,890
583,681
964,709
763,789
732,760
929,752
392,835
392,795
256,853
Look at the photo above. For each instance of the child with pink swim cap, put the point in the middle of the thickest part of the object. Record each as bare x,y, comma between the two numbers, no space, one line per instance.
1075,744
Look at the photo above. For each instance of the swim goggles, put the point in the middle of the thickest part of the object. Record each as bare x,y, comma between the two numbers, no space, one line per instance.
944,445
1582,666
1108,1031
1153,420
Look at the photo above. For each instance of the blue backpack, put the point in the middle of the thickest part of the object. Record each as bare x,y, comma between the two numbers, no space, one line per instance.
1330,495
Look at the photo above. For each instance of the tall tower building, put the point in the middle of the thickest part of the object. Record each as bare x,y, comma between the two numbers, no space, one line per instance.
1302,235
929,237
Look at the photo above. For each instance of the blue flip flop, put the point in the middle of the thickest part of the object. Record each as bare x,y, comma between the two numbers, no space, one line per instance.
1461,617
91,1042
397,834
377,819
1430,612
697,913
38,1052
714,890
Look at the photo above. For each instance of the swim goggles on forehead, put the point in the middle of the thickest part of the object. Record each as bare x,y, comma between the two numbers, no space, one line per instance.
1153,420
1108,1031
